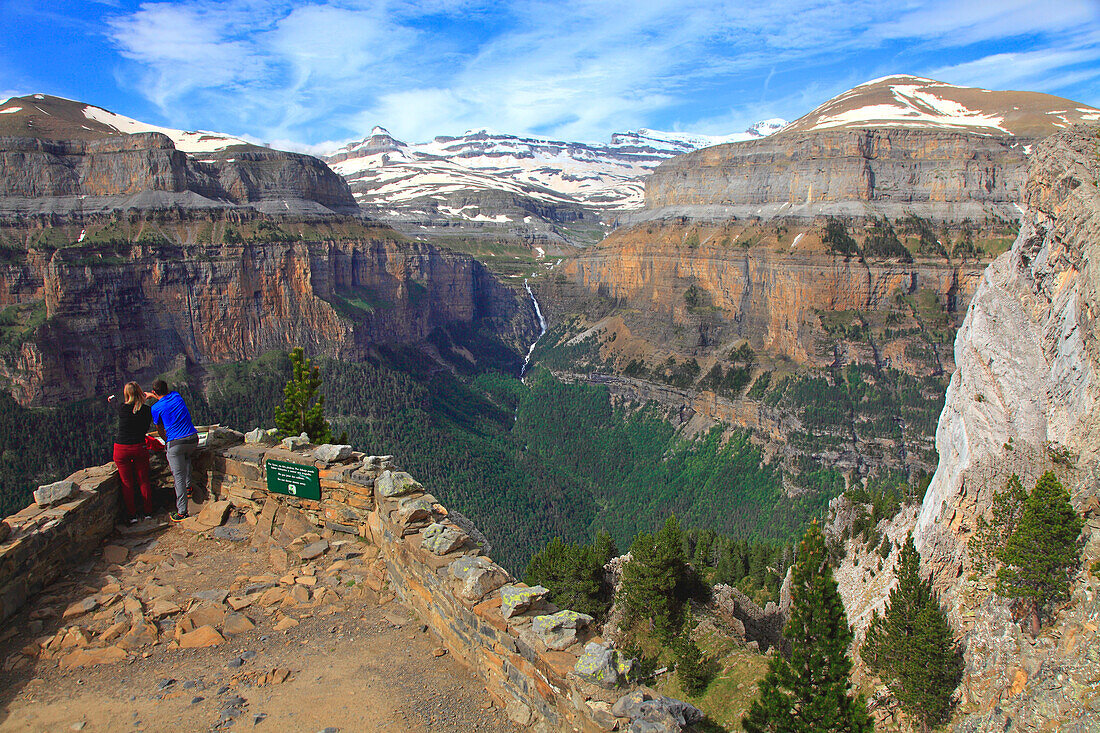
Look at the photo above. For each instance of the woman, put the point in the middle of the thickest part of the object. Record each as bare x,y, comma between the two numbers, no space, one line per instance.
130,454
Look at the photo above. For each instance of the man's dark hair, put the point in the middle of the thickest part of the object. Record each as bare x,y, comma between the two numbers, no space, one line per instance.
160,387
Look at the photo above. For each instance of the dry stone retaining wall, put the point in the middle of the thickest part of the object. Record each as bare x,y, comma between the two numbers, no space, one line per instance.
525,649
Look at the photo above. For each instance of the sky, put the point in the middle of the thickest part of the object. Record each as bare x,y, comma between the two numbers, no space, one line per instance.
313,75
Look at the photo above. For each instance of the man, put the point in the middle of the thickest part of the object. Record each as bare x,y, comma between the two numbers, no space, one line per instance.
173,422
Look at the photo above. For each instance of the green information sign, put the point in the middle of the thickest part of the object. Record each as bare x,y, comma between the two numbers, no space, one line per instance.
293,479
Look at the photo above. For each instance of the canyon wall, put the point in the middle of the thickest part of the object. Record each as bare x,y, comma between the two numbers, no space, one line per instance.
164,306
146,171
771,297
1025,399
945,176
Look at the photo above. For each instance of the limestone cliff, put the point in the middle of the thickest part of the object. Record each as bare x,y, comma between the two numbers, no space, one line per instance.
1023,400
88,321
690,314
64,157
891,147
894,172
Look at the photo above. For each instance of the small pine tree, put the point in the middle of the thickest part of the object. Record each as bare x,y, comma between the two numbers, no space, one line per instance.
990,536
912,648
573,574
810,691
655,581
299,413
694,669
1041,552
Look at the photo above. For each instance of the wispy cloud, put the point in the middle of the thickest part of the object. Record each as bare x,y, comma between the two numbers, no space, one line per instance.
334,68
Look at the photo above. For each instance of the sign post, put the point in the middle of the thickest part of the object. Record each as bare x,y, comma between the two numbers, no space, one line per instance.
293,479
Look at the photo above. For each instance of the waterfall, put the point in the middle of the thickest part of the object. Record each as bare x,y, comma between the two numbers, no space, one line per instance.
542,328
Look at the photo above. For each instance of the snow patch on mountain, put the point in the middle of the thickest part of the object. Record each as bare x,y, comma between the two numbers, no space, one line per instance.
384,171
198,141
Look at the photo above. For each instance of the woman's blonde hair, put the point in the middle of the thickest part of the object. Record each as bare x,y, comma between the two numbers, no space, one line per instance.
133,393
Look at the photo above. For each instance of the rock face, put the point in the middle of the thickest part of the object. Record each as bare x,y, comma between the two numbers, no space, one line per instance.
166,305
893,172
62,157
1024,399
772,297
1026,390
894,146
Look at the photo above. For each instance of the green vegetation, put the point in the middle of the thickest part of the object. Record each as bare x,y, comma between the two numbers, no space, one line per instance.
574,574
810,690
882,498
1041,551
882,243
38,445
657,581
694,668
838,240
912,648
303,409
990,537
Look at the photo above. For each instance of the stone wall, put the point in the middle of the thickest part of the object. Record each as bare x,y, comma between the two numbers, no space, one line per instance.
425,559
38,543
542,664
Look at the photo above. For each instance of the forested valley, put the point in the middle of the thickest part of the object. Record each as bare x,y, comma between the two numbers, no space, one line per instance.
525,462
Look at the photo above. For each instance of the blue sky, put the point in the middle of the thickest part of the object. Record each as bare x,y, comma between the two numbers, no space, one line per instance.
309,75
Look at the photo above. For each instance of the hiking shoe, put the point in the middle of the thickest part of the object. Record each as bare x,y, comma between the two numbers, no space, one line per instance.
190,491
177,517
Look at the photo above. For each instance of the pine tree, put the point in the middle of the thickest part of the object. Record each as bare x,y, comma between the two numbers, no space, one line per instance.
1043,549
990,537
694,669
655,581
912,648
573,574
810,692
299,413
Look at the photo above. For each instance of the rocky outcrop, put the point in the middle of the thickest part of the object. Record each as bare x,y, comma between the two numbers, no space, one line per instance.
1024,399
1026,390
166,306
146,171
946,176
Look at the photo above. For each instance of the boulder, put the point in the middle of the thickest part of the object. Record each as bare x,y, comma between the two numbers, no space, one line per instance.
602,665
377,463
329,453
55,493
558,631
480,576
396,483
237,623
415,508
91,657
259,436
296,442
5,531
650,712
115,554
80,607
314,550
440,539
214,513
142,633
515,599
201,637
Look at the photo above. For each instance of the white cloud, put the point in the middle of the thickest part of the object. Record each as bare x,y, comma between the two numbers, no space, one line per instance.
330,68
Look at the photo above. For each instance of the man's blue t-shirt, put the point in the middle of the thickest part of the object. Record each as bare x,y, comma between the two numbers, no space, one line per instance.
170,411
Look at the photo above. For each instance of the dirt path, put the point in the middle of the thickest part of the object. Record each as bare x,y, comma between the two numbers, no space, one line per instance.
354,665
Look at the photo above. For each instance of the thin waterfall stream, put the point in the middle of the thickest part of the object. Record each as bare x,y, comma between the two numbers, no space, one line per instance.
542,328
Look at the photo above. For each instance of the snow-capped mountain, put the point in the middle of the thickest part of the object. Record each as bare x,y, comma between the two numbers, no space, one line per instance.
919,103
482,176
41,115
